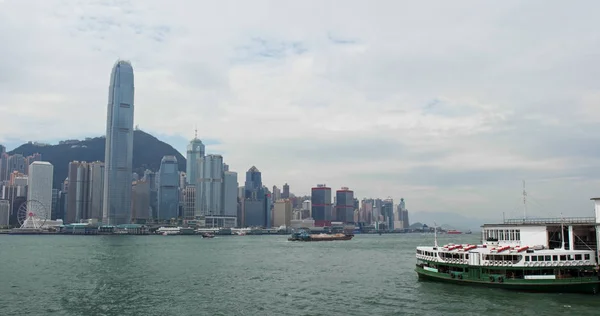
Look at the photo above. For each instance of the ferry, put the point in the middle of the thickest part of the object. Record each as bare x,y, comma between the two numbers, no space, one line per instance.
305,236
536,255
453,232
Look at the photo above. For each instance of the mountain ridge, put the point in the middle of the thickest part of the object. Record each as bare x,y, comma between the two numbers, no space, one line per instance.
147,153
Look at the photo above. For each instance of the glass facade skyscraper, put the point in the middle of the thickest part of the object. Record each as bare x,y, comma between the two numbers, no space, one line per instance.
321,205
195,151
168,188
119,146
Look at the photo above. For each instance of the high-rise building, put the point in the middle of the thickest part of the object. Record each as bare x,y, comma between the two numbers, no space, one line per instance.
34,157
189,202
140,201
39,187
78,199
168,189
286,191
150,178
119,146
55,200
96,190
344,207
276,193
2,149
230,187
4,213
282,213
387,210
209,189
321,205
18,163
3,167
195,151
403,214
255,205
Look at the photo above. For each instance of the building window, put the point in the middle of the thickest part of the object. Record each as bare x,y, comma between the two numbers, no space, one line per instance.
125,105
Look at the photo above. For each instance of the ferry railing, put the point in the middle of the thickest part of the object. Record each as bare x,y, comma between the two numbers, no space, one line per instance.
564,220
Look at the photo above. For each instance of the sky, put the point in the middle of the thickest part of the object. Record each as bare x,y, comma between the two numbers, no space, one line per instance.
448,104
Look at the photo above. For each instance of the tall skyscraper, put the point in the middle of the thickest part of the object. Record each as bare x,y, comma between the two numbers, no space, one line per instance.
286,191
403,214
3,167
39,187
96,190
276,193
255,211
168,189
230,190
78,198
387,210
189,202
209,189
4,213
344,205
195,151
321,205
119,146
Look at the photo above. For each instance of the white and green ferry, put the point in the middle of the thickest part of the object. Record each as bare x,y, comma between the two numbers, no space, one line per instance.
539,255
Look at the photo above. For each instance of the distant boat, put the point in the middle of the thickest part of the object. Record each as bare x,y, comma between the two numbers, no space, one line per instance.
468,232
454,232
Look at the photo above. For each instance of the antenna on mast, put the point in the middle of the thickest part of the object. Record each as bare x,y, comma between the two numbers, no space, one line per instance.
524,202
435,234
562,233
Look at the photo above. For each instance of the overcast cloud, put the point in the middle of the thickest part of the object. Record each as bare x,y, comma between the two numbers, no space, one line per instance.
449,104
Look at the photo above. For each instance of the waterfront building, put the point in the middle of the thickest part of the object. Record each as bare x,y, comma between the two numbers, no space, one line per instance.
189,202
150,178
78,201
321,205
18,163
119,146
17,178
96,190
344,205
39,187
402,214
256,213
55,200
168,189
282,213
4,213
140,201
209,189
230,187
387,209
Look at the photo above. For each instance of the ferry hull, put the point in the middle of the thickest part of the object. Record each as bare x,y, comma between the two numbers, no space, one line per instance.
589,287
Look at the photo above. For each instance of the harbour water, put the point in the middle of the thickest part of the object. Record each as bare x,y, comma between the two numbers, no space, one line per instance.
245,275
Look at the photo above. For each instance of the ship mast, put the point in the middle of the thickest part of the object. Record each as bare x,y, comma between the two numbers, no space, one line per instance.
435,234
562,233
524,202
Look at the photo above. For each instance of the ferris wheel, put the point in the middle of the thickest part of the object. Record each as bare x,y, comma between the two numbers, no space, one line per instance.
32,214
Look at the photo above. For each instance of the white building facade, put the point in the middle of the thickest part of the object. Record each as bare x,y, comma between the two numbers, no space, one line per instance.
39,188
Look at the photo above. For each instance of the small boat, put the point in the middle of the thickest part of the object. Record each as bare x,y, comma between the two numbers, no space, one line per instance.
454,232
208,235
305,236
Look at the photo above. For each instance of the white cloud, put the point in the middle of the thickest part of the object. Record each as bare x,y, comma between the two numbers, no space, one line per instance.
436,95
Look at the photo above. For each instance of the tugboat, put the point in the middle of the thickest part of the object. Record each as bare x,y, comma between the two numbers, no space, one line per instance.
536,255
305,236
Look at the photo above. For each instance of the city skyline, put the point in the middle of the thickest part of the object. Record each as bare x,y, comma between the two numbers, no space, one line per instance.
432,105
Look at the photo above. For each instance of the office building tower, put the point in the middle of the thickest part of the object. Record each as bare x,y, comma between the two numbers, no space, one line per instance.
140,202
344,206
230,188
195,151
96,190
189,202
32,158
55,201
209,189
119,146
285,194
17,178
150,178
168,189
321,205
4,213
182,179
255,211
78,198
282,213
2,149
3,164
39,187
403,214
276,193
387,210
